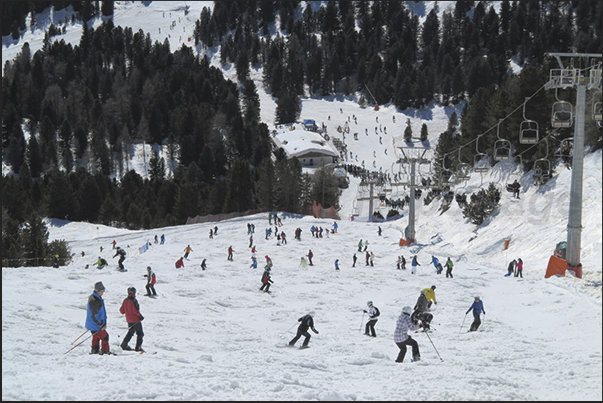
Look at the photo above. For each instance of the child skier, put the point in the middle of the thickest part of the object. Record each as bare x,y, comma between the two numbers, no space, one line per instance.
150,282
266,281
131,309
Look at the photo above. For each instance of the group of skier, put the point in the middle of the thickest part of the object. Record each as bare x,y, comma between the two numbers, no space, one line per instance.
515,267
408,320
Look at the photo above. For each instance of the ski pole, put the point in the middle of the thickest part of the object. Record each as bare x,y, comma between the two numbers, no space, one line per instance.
85,331
289,329
461,329
80,343
434,347
361,322
119,335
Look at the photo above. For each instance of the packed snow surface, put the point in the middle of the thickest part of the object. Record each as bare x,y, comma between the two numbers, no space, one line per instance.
217,337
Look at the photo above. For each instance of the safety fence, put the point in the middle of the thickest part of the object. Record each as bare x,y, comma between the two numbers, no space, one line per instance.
316,211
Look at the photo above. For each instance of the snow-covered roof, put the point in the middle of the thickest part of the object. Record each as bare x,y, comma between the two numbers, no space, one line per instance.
298,143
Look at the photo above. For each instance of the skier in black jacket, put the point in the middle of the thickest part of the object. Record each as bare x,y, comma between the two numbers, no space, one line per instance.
122,257
307,322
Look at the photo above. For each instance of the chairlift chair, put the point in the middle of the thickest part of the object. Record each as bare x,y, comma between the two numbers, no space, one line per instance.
502,147
542,170
463,171
562,114
502,150
528,130
481,161
597,114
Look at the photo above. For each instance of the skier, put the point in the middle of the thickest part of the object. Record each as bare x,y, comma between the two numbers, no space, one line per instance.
355,258
421,310
268,263
398,262
266,281
449,266
162,239
55,261
478,308
367,256
203,264
310,256
430,295
122,257
360,246
187,250
335,226
101,263
284,237
251,241
366,246
516,187
230,251
519,267
403,262
435,262
211,233
114,244
415,263
150,282
401,337
131,309
372,258
307,322
373,313
303,263
179,263
156,239
254,263
96,320
510,268
216,230
336,264
379,231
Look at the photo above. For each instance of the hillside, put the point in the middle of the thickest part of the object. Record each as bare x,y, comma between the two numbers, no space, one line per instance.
217,337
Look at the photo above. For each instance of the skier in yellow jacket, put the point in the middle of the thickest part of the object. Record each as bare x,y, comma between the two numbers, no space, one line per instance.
430,295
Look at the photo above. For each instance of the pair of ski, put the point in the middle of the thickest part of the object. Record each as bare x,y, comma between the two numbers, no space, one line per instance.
130,353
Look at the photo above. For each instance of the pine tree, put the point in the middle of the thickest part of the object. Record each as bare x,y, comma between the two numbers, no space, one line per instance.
408,132
424,133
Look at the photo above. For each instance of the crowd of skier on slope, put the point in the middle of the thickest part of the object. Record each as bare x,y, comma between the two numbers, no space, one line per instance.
410,319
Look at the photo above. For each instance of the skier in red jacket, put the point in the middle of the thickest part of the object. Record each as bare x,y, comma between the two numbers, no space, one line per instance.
179,263
150,282
131,309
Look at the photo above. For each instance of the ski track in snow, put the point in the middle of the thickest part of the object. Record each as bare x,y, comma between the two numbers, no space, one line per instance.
218,337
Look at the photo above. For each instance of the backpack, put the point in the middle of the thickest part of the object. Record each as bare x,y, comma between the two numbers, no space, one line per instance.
377,311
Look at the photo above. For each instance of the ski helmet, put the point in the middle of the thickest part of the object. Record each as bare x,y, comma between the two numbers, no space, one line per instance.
369,303
407,310
422,292
477,297
131,291
433,287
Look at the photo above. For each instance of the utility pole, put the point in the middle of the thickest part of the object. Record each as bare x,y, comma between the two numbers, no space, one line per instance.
581,79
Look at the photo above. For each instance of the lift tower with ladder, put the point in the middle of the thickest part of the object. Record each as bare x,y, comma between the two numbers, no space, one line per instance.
582,73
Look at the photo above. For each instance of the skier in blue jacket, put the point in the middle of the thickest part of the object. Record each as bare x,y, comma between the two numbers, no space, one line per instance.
478,308
96,320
